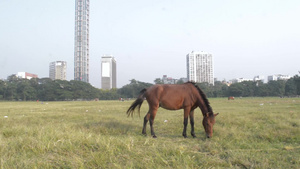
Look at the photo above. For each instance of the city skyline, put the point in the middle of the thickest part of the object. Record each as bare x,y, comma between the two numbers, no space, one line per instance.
152,38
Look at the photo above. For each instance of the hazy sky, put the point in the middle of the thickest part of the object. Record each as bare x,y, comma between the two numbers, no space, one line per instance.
151,38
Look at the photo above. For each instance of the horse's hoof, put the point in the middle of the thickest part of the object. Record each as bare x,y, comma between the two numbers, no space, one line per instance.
154,136
194,136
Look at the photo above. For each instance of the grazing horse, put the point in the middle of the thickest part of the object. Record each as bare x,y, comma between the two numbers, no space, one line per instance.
187,96
230,98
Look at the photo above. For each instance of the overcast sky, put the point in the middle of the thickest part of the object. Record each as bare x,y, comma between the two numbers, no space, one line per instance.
151,38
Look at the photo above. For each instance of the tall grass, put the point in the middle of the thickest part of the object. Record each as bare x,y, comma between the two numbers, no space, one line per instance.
249,133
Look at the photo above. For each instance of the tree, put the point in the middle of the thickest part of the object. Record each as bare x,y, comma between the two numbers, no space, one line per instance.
158,81
262,90
111,94
277,88
180,81
249,88
236,89
2,89
291,87
64,90
220,89
25,91
83,90
133,89
46,89
297,81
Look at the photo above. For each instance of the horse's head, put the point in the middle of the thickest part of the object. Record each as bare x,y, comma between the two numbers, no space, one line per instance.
208,123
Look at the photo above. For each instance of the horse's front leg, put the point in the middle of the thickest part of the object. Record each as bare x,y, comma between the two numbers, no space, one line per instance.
192,123
185,121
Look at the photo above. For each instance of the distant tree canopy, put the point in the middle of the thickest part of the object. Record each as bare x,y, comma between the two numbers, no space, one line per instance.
133,89
46,89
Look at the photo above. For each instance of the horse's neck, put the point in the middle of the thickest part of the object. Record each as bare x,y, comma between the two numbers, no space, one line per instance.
203,107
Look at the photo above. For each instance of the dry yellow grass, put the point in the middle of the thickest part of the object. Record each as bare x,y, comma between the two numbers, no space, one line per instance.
249,133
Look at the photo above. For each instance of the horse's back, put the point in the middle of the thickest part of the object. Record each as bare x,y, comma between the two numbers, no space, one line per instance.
172,97
167,90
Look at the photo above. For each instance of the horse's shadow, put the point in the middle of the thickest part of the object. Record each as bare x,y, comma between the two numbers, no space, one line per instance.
115,128
200,136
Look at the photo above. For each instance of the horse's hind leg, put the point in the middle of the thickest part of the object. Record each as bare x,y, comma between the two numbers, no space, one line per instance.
192,123
151,120
146,119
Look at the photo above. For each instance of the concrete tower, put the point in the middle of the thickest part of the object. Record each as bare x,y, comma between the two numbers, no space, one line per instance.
81,49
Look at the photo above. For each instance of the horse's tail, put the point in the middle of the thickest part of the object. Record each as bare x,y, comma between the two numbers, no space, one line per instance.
137,103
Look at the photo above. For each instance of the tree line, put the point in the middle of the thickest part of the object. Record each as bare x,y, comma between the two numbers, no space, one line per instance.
280,88
45,89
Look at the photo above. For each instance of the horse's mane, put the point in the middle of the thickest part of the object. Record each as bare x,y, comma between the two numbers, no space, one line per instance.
203,95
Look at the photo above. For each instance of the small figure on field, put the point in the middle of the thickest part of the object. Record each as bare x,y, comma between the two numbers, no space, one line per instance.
187,96
230,98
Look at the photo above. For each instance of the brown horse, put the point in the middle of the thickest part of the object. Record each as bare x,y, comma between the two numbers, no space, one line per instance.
230,98
187,96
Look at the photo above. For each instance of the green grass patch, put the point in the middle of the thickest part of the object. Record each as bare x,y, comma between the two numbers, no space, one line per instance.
249,133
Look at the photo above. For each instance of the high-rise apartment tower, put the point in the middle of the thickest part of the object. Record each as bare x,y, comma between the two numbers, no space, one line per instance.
200,67
58,70
108,72
81,49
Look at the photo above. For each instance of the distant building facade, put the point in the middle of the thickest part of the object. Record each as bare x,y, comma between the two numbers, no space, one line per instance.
168,80
200,67
25,75
58,70
81,46
239,80
278,77
259,78
108,72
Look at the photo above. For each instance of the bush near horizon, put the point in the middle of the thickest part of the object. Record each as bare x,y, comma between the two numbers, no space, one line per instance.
45,89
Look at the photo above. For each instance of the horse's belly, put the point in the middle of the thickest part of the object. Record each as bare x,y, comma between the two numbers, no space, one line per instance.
170,106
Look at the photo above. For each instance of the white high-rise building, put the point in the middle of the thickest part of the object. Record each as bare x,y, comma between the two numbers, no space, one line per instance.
200,67
108,72
58,70
81,46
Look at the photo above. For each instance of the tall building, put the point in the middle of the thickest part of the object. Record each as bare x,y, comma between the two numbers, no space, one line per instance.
200,67
58,70
108,72
81,49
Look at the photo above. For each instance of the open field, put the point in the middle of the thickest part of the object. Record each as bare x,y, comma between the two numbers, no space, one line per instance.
249,133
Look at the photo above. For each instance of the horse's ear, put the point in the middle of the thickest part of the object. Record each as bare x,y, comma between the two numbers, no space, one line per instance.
216,114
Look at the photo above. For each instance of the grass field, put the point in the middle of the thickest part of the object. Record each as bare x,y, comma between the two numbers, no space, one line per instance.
249,133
